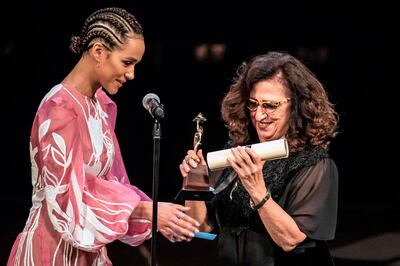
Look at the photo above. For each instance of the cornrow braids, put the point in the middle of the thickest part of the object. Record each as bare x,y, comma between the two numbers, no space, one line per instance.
110,25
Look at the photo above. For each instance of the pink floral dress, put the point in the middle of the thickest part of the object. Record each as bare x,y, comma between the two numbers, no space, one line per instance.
82,198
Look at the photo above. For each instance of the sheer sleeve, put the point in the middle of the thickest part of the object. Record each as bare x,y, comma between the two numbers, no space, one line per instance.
139,229
312,200
87,211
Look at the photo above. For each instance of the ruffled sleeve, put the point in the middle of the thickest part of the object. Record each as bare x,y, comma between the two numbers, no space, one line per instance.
139,229
87,211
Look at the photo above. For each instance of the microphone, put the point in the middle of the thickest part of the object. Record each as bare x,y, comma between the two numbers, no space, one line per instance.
151,103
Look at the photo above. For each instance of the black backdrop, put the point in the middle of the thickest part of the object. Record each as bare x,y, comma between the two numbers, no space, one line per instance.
349,47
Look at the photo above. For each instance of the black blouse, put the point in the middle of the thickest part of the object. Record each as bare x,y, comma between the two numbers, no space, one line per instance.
305,186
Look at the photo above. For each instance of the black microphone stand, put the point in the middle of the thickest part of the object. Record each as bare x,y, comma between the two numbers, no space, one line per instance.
156,170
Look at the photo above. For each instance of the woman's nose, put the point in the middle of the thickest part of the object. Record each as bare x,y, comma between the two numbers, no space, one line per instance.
130,74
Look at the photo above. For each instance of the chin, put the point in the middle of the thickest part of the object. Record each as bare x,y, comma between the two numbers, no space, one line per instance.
112,91
266,137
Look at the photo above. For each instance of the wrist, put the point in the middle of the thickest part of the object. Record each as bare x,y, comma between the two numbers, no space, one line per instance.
143,211
258,204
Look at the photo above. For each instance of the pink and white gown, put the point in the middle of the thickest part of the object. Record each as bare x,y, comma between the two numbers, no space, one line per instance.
82,198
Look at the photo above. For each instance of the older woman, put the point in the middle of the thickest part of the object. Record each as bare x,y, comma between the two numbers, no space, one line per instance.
279,212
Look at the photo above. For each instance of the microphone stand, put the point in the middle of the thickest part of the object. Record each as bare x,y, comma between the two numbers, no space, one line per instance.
156,169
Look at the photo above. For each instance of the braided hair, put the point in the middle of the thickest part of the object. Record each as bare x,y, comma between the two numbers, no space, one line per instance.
110,25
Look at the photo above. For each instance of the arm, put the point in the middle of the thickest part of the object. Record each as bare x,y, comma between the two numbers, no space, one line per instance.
279,224
87,211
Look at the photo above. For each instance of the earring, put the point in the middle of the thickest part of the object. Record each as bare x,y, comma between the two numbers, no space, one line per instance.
98,65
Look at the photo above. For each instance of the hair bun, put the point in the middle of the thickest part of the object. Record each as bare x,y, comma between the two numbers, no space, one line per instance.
75,44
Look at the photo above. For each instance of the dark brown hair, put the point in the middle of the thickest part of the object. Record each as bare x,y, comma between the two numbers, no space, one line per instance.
313,120
110,25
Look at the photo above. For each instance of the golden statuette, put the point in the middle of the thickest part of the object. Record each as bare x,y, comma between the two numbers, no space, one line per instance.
196,185
199,131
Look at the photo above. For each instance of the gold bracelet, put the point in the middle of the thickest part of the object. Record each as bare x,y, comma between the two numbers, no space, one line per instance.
261,203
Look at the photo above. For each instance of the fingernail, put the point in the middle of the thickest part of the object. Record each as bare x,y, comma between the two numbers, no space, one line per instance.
197,224
192,234
196,230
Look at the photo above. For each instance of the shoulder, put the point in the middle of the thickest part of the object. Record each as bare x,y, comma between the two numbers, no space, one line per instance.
323,171
324,164
56,96
57,104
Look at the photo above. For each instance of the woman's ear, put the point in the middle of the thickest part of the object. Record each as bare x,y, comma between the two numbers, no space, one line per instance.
98,51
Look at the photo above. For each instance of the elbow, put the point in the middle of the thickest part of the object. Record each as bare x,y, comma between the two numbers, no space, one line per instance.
288,247
290,244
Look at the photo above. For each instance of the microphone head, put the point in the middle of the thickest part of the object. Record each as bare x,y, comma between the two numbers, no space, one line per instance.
148,97
151,103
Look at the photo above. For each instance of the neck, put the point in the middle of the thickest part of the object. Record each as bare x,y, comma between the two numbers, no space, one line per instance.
82,78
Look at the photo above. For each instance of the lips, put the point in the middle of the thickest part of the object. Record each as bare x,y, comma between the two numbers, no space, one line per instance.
121,83
263,125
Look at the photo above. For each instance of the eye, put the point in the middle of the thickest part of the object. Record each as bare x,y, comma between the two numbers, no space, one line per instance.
252,104
270,105
127,63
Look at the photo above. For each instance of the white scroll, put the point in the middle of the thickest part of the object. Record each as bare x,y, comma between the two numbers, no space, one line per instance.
269,150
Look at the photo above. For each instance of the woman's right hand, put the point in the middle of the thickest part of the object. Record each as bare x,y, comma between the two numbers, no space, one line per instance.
174,223
191,160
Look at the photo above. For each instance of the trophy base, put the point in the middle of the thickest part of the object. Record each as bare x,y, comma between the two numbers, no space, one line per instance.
200,195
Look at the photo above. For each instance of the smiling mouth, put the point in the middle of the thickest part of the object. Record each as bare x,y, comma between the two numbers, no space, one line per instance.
264,121
264,124
120,82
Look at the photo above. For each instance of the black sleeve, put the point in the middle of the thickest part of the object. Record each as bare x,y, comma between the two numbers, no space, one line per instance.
312,200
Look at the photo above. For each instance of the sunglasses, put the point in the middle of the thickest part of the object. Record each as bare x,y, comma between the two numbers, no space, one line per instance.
267,105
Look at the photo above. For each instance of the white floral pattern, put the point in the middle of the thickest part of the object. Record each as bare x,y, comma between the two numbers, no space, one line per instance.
82,198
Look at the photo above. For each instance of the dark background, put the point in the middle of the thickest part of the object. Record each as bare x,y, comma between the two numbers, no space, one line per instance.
348,46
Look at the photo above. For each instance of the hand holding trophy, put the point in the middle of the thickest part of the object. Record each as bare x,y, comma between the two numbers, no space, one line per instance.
196,185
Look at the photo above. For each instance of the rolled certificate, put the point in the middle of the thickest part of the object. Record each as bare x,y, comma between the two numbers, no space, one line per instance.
269,150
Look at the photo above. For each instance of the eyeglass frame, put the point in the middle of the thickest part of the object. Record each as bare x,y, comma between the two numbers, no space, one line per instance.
271,103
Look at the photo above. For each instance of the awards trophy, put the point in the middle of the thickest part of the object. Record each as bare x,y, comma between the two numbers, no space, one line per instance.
196,185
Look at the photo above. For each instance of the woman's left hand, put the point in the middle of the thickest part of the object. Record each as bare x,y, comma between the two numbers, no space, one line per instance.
248,165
